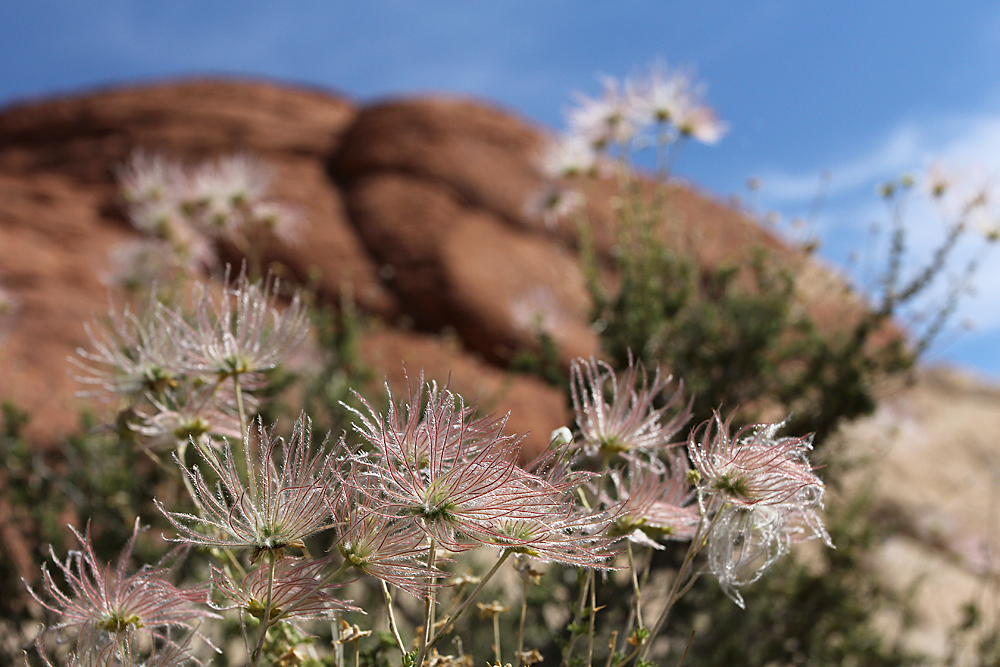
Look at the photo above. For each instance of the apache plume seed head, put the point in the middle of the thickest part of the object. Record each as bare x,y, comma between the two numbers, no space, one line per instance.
105,608
762,496
753,466
629,422
298,590
278,506
134,354
243,333
654,503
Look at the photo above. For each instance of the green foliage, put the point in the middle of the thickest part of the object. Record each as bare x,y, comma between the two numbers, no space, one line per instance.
542,362
377,653
737,336
91,475
331,389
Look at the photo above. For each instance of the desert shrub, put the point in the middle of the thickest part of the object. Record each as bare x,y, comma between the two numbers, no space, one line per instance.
741,334
275,522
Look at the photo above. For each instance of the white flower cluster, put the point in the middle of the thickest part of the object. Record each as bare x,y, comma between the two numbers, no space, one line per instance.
663,107
661,110
185,212
184,378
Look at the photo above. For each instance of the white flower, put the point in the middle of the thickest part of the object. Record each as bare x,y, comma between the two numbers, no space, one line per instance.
155,216
150,177
665,97
231,181
141,263
560,436
554,203
657,98
9,306
567,156
538,310
282,220
605,120
937,180
700,122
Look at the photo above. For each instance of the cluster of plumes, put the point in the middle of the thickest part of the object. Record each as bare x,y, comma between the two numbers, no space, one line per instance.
181,378
660,109
270,505
627,428
185,212
428,478
624,414
261,505
749,495
119,616
434,473
760,493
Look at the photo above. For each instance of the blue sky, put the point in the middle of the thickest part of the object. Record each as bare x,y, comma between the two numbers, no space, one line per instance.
862,90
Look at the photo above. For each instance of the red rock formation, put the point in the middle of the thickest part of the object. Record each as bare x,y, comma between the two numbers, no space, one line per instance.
59,216
417,207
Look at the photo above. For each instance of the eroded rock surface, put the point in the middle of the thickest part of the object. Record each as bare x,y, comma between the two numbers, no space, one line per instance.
416,208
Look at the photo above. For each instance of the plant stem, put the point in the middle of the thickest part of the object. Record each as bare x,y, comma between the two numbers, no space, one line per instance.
239,403
181,454
338,646
524,612
676,590
452,617
428,608
635,585
593,619
265,623
392,618
244,433
686,649
612,644
236,563
580,606
672,597
496,637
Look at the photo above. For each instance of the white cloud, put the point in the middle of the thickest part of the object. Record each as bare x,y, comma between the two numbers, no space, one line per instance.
960,141
897,153
966,146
